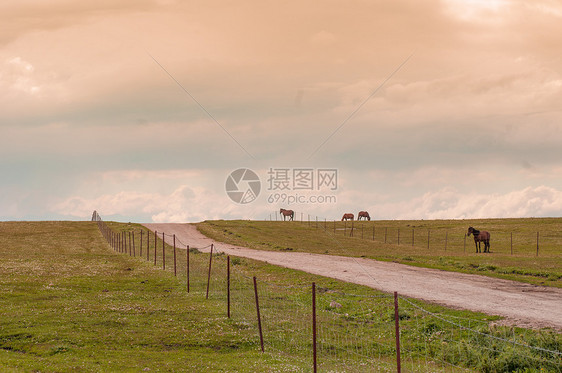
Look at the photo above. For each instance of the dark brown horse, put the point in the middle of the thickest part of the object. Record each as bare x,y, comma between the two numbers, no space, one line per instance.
347,217
363,214
285,213
480,236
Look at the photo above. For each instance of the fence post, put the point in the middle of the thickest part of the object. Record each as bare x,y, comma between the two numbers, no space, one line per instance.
385,233
397,331
155,237
175,271
228,286
446,237
511,245
351,233
314,354
187,247
398,236
413,230
373,231
134,252
258,311
163,252
537,243
147,245
464,244
209,274
140,244
428,239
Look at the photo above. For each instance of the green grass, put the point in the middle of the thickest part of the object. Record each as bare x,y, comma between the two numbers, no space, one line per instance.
71,303
513,243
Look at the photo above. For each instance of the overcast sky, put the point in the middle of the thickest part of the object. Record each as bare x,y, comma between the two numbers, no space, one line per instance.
141,109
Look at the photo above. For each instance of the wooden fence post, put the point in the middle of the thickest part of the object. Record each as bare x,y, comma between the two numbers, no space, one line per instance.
209,274
258,311
175,271
537,243
140,244
511,245
397,331
187,247
155,242
228,286
428,239
314,354
163,252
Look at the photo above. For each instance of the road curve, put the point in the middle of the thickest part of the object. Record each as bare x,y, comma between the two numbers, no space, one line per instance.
521,304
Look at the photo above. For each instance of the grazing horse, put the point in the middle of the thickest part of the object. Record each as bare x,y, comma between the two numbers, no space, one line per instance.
363,214
480,236
347,217
285,213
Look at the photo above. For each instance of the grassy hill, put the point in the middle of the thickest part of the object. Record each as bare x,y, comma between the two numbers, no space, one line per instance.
70,303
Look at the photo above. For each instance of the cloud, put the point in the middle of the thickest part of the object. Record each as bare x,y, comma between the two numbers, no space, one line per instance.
449,203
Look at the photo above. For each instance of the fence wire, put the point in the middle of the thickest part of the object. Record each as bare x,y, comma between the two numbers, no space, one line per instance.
355,332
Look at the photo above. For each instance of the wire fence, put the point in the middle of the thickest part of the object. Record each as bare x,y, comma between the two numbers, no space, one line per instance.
453,239
328,329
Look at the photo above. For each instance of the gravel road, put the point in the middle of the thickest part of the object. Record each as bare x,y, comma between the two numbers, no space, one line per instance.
521,304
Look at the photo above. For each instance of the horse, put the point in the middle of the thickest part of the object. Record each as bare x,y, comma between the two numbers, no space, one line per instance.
363,214
285,213
347,217
480,236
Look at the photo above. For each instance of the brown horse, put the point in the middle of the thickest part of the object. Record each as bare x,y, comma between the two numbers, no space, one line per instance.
480,236
285,213
363,214
347,217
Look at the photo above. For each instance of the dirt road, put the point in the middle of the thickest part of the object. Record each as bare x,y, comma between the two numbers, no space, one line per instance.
521,304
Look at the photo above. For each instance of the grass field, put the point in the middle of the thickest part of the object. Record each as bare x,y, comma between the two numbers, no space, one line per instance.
71,303
513,243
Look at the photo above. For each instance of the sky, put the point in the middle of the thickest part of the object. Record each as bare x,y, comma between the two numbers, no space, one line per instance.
408,109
